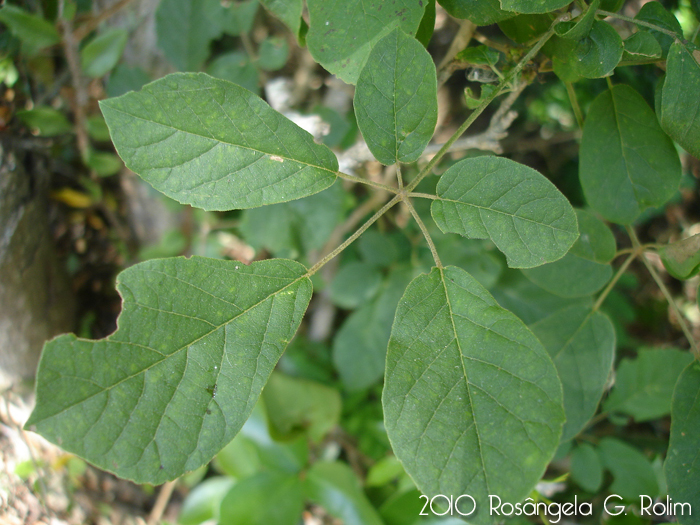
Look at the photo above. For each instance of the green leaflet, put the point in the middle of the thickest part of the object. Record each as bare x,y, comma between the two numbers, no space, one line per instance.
145,403
644,386
521,211
470,395
214,145
577,29
533,6
359,347
335,487
571,276
103,52
680,105
627,163
204,501
632,472
586,469
236,67
480,12
682,465
596,242
593,56
289,11
249,499
582,345
185,28
654,13
47,121
34,32
524,28
396,99
342,47
682,258
299,406
237,17
641,45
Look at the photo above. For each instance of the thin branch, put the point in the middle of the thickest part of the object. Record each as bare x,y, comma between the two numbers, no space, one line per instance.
80,100
639,23
667,294
574,103
360,180
92,24
423,195
161,502
316,267
459,42
512,74
425,232
614,280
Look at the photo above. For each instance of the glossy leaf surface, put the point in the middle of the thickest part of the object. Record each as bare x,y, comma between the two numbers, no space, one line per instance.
396,99
214,145
627,163
146,402
521,211
470,394
341,47
680,108
582,345
682,465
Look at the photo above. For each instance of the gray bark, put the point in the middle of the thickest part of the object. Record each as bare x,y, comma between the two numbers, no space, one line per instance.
36,301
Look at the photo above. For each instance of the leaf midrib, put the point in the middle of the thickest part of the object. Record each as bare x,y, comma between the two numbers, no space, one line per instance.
166,357
334,172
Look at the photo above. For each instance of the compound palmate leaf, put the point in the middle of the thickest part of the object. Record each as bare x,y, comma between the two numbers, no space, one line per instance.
396,99
521,211
197,340
215,145
472,401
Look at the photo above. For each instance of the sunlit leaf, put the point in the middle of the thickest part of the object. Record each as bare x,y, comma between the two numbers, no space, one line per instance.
146,402
215,145
470,394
